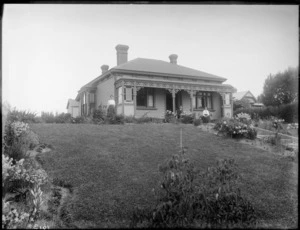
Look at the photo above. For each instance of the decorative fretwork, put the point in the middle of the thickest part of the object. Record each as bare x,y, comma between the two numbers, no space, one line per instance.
190,88
138,88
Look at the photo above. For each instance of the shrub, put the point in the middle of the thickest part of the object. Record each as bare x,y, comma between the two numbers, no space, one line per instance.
114,119
48,117
63,118
22,116
99,114
197,122
18,139
235,129
188,197
187,118
170,117
205,119
78,120
288,112
244,118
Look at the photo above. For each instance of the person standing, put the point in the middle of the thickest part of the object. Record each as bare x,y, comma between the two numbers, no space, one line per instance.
206,115
111,106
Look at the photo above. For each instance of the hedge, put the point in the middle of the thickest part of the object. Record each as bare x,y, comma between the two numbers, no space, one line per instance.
288,112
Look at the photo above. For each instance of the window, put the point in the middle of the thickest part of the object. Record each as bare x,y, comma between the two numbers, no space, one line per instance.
202,100
145,97
128,93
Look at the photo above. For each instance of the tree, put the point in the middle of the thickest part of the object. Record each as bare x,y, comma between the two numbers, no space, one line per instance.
281,88
238,104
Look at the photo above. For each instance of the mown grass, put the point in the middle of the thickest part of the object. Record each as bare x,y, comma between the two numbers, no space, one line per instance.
113,169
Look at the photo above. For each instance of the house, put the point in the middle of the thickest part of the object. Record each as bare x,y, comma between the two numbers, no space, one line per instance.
248,97
148,87
73,108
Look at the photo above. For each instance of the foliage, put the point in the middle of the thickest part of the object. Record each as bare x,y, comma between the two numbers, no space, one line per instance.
63,118
18,139
111,111
114,119
187,118
170,117
21,177
244,118
21,181
288,112
197,122
281,88
21,115
49,117
99,114
293,126
241,104
205,119
190,198
235,129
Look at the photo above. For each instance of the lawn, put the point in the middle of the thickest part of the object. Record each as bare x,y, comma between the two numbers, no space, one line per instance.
113,169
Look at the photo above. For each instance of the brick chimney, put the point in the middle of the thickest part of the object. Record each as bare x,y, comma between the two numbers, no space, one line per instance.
104,68
173,58
121,54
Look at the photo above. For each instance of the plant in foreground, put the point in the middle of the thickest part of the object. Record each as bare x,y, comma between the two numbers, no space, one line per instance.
188,197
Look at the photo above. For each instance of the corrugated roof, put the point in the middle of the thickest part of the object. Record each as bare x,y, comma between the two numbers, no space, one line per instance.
163,67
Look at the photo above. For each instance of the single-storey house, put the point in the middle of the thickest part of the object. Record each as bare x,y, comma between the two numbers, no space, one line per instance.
73,108
149,87
247,96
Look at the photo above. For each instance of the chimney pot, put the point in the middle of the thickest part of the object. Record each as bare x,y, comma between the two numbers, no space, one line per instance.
122,54
173,58
104,68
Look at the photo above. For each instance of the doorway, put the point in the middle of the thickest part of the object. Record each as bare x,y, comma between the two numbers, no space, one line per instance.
169,100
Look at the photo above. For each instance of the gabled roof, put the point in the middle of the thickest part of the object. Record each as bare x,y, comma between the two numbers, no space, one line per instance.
72,102
241,95
153,66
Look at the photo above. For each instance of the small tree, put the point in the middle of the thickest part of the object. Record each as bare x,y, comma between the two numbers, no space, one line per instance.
281,88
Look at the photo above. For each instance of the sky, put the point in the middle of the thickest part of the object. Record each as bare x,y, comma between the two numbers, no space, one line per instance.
49,51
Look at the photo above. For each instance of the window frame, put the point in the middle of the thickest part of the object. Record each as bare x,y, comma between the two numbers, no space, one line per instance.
205,97
148,91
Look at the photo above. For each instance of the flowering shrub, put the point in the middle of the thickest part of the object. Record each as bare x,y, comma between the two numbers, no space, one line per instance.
243,117
21,176
18,139
16,178
170,117
292,126
236,129
12,218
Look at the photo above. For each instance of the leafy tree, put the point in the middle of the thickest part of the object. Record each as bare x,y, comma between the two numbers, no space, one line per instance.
241,104
281,88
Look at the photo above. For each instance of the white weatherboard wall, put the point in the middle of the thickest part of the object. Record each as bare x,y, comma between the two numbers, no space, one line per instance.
104,90
186,101
217,106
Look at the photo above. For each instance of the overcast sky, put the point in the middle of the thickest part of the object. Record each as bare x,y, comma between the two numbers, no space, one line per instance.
50,51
